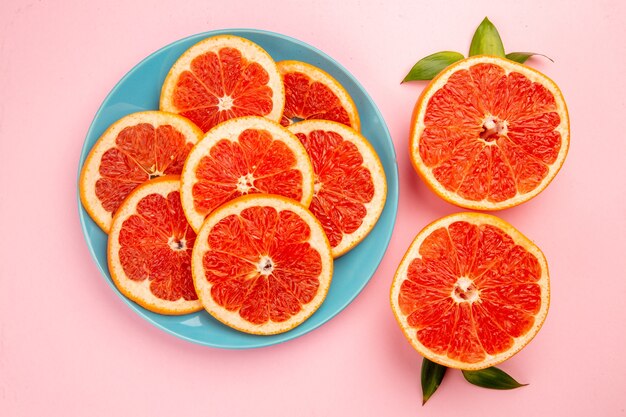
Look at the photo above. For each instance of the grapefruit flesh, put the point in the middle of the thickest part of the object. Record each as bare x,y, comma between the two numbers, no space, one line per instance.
262,264
133,150
489,133
150,248
471,291
221,78
350,186
244,156
311,93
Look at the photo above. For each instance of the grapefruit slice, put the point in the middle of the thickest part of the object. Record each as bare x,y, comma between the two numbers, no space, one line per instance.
132,150
350,185
223,77
471,291
489,133
149,249
311,93
262,264
242,156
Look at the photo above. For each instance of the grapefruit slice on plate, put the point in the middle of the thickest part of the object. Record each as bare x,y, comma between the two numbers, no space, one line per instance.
471,291
243,156
149,249
262,264
311,93
223,77
489,133
132,150
350,186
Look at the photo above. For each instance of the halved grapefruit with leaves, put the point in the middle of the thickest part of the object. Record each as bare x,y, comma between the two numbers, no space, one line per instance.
131,151
471,291
221,78
489,133
312,93
242,156
350,186
262,264
149,249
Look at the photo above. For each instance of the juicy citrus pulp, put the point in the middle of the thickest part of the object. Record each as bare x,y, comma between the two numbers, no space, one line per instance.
223,77
471,291
244,156
261,264
134,149
311,93
149,249
350,186
489,133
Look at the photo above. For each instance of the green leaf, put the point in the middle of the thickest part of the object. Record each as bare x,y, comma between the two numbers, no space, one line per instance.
522,57
486,40
427,68
492,378
432,375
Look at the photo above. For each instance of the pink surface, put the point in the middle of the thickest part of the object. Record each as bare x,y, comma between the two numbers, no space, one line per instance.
70,347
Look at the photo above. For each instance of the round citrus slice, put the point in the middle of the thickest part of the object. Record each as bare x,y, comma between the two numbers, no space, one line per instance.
311,93
150,247
350,186
262,264
471,291
489,133
133,150
244,156
223,77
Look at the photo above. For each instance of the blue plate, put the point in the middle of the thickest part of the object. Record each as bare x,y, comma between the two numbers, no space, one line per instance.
140,89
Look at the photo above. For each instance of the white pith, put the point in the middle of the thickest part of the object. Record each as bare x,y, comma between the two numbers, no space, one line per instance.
225,103
413,253
492,125
177,244
265,266
464,286
245,183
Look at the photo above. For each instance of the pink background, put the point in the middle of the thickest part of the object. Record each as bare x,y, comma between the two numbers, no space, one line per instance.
69,346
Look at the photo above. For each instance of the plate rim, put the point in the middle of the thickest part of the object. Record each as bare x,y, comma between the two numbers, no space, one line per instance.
390,204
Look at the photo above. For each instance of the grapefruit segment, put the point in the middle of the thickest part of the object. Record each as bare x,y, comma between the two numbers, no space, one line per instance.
261,264
131,151
221,78
149,249
471,291
242,156
489,133
350,186
311,93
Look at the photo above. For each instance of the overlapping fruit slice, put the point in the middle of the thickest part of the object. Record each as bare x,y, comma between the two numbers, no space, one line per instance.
350,186
311,93
133,150
221,78
242,156
262,264
149,249
489,133
471,291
